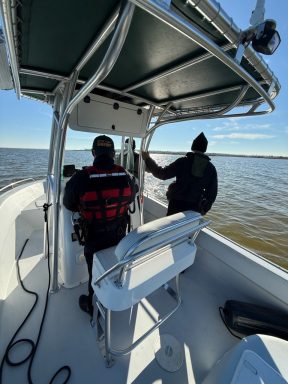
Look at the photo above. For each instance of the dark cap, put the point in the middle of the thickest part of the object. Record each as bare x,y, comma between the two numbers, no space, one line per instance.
133,143
200,143
102,145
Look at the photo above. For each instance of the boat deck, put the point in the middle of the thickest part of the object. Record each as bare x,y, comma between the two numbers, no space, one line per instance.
69,339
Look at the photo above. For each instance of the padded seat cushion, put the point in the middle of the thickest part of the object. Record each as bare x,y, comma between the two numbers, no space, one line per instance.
145,230
106,258
150,269
141,279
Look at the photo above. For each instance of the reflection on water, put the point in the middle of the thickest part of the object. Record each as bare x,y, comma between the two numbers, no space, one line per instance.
251,207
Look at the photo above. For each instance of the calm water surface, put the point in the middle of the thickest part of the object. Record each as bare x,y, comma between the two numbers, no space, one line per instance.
251,207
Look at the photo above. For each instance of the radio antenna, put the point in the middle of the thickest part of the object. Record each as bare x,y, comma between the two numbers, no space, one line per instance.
257,16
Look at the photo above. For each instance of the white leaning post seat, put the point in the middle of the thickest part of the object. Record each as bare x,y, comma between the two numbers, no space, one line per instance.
255,359
147,258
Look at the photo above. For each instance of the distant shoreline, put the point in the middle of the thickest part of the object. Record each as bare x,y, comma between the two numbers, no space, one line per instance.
225,155
208,153
177,153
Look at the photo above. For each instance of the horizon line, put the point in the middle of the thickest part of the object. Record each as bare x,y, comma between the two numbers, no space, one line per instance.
173,152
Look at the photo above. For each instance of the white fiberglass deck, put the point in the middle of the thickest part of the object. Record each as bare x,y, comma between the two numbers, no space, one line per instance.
68,338
221,271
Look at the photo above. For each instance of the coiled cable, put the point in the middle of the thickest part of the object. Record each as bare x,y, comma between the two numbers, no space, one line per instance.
33,345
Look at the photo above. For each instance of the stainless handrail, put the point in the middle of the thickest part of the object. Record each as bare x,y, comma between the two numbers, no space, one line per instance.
12,185
142,166
188,30
31,72
159,232
219,113
175,68
58,158
69,103
121,352
237,102
152,250
210,9
9,39
129,257
209,93
214,13
99,40
114,49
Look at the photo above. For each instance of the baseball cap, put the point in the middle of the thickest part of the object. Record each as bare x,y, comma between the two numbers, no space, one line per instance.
103,144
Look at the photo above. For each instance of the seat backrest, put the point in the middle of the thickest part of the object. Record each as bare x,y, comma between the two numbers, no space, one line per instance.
157,232
145,259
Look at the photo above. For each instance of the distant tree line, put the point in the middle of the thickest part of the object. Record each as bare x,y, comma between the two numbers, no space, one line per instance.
211,154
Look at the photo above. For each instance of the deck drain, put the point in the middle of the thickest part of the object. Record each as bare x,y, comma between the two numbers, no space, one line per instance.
169,353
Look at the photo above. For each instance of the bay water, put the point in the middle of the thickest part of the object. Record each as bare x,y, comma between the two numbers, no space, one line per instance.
251,207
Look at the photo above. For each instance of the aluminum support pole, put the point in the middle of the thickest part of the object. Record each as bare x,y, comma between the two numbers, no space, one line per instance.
50,173
111,56
59,142
9,39
121,31
142,168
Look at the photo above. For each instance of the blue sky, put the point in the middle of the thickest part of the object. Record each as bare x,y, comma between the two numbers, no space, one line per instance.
26,123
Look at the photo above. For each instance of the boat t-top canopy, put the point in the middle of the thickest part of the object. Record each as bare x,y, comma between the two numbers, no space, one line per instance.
179,57
157,61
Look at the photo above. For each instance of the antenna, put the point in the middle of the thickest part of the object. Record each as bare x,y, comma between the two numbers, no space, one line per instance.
257,16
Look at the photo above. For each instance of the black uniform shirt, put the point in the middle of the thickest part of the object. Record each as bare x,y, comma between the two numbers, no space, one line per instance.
196,179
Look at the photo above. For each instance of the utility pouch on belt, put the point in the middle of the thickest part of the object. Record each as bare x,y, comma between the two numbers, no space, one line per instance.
79,231
171,188
248,319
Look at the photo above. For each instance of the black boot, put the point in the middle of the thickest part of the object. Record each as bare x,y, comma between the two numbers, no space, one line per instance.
85,303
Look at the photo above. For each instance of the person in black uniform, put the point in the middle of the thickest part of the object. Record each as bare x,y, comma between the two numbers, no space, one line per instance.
102,194
133,171
196,182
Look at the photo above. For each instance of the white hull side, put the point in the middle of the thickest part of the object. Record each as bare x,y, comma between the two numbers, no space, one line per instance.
222,270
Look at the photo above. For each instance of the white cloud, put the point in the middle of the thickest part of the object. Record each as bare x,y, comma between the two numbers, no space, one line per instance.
257,126
235,126
247,136
217,129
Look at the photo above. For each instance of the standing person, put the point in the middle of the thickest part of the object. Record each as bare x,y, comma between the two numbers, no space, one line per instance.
133,166
196,182
101,193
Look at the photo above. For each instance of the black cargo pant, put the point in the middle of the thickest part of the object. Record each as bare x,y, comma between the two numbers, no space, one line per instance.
101,240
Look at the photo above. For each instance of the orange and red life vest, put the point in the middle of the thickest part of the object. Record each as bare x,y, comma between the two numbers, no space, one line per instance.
108,194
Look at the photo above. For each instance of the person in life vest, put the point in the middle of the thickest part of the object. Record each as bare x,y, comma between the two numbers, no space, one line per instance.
196,182
101,193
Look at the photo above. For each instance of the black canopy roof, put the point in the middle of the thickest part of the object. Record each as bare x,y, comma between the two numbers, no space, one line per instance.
158,64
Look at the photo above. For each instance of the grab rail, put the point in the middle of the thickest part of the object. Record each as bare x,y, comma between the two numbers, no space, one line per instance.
12,185
130,257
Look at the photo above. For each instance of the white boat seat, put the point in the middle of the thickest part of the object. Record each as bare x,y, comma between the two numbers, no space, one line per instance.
255,359
145,259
